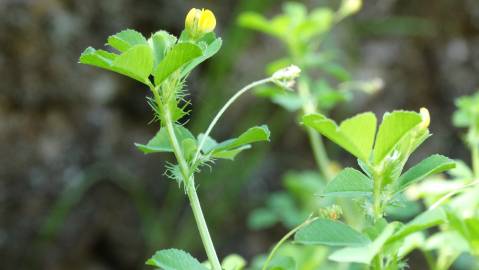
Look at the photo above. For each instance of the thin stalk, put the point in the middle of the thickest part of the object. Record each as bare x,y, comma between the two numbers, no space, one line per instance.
452,193
286,237
222,111
319,152
188,180
475,160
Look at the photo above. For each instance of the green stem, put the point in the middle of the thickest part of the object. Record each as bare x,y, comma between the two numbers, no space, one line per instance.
222,111
377,204
377,262
189,182
475,160
319,153
377,213
286,237
429,259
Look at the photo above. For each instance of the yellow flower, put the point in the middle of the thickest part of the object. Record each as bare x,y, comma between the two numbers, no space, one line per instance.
199,22
207,21
426,119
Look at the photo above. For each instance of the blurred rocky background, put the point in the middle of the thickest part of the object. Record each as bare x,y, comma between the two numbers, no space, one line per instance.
76,194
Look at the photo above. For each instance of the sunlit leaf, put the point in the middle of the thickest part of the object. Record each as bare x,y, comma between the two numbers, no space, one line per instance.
136,62
179,55
355,135
393,128
160,42
126,39
210,50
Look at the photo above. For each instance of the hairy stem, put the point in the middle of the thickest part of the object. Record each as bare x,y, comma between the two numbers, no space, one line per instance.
222,111
377,203
320,156
189,182
286,237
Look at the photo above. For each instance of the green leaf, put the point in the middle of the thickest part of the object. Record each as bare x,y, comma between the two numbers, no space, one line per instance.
179,55
303,185
189,146
126,39
136,62
451,241
355,135
318,22
230,154
411,242
209,143
255,21
427,167
393,128
349,182
286,99
210,50
262,218
423,221
364,254
160,42
230,148
282,263
98,58
233,262
331,233
161,142
175,259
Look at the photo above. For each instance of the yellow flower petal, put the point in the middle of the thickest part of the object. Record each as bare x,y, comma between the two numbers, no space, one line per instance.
426,119
192,18
207,21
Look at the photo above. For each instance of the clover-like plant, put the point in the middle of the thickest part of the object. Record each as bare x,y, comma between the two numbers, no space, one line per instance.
382,154
459,197
163,62
323,85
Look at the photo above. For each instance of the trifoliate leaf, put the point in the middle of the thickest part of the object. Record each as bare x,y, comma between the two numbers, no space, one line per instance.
126,39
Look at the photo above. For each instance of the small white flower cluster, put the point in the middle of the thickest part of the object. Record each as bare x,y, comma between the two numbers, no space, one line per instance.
285,77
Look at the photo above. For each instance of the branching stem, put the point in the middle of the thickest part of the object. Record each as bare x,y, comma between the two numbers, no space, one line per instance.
285,237
319,153
222,111
189,183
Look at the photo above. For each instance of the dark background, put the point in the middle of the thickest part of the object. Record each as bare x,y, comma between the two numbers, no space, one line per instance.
76,194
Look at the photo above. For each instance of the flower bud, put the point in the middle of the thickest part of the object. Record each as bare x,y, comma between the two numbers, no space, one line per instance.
199,22
426,119
349,7
286,76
